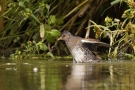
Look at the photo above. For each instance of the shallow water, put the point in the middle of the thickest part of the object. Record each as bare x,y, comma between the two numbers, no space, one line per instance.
64,75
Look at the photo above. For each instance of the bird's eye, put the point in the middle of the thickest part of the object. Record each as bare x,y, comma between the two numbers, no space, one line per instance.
63,36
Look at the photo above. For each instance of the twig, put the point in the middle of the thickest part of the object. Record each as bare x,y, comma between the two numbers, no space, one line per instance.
69,21
76,8
84,9
88,30
81,26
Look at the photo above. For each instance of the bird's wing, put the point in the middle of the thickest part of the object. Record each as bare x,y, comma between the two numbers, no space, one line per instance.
92,44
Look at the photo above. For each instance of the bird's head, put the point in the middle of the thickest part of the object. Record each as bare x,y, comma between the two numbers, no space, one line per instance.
65,36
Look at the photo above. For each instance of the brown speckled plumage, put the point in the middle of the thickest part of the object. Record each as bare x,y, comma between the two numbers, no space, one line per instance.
80,48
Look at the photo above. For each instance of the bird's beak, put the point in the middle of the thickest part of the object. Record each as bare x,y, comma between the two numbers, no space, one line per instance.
60,38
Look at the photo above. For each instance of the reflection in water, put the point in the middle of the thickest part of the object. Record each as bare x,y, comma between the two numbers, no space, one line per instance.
43,75
83,77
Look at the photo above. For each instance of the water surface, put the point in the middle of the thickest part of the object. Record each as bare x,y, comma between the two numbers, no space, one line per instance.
64,75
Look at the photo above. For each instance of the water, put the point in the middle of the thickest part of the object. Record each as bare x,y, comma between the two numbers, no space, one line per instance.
64,75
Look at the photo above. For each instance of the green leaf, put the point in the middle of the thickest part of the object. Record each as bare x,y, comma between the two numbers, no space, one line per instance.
47,6
27,1
55,33
49,54
50,39
42,30
21,3
115,2
33,16
52,19
16,39
60,21
47,27
42,46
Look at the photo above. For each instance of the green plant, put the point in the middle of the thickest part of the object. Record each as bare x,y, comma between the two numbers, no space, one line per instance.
121,34
24,19
31,50
27,20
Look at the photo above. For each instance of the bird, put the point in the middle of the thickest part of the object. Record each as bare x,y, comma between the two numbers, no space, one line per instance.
82,49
